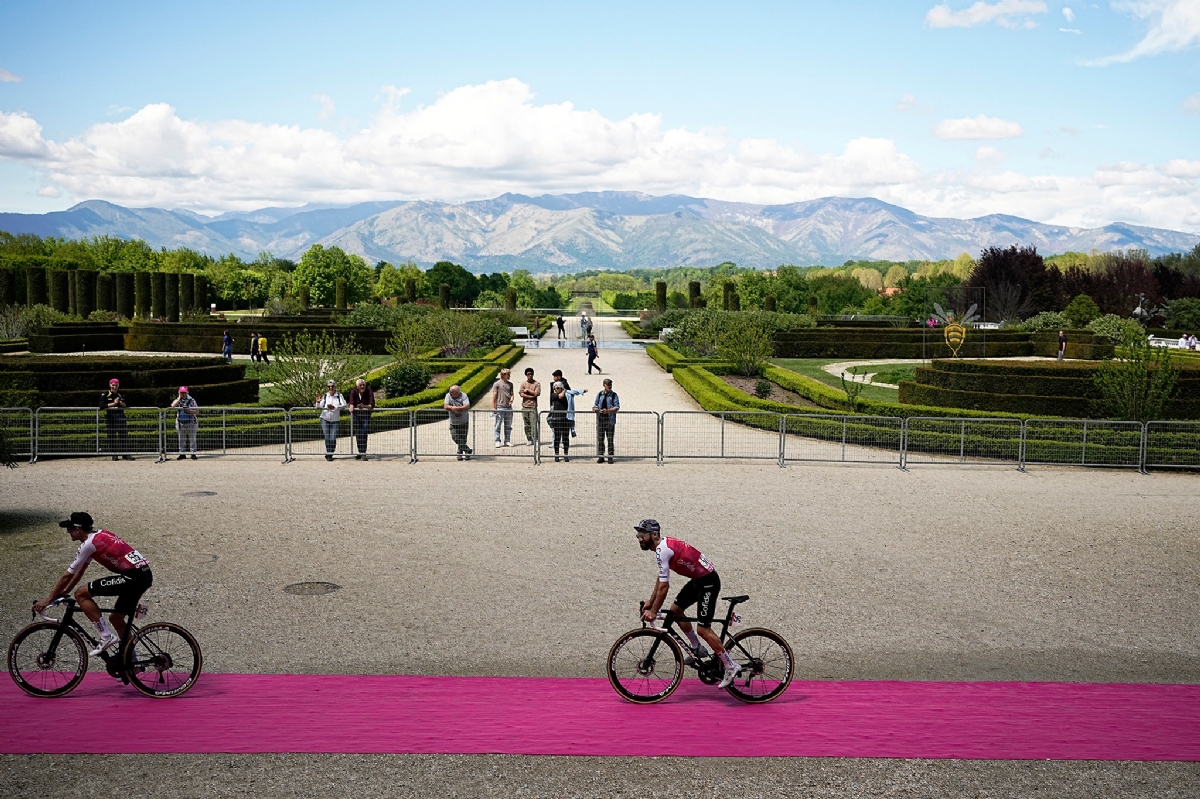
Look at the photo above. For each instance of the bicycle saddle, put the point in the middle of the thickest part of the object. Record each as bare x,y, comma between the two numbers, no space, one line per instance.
733,600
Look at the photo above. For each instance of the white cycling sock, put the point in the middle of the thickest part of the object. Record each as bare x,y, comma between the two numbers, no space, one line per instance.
102,627
728,661
693,638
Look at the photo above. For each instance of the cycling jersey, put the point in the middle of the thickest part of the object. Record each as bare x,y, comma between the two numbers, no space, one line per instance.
682,558
110,552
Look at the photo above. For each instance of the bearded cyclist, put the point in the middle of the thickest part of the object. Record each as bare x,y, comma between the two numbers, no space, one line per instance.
132,578
700,590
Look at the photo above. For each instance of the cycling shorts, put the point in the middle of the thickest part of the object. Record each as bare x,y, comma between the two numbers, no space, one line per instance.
702,592
127,587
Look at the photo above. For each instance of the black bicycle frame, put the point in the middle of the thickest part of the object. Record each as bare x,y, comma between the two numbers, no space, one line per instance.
68,620
671,618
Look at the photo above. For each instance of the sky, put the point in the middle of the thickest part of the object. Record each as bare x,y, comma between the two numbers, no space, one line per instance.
1075,113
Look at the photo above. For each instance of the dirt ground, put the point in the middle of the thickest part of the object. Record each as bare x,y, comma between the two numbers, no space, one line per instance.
506,568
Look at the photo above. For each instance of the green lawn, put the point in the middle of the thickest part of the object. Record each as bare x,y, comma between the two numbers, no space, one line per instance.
811,367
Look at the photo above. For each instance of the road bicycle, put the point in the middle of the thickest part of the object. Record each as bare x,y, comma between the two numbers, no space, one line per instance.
50,657
645,665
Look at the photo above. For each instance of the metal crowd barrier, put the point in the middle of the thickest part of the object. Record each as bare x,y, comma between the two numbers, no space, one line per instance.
1082,442
844,439
91,431
962,441
635,435
647,435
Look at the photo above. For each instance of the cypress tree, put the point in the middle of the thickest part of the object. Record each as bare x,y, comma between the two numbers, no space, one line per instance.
510,299
735,302
202,293
60,291
303,295
8,286
444,296
728,296
72,291
769,303
35,286
123,285
171,292
187,293
141,294
660,296
85,292
693,293
410,289
158,295
339,293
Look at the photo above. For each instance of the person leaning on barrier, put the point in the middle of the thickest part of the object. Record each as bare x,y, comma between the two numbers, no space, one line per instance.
605,407
560,425
458,406
362,402
502,410
331,404
530,390
187,422
113,405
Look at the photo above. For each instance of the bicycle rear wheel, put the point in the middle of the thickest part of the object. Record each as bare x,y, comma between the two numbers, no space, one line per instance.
162,660
47,659
767,665
638,675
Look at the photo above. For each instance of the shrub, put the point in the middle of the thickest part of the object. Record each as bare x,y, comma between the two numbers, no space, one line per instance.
1139,383
288,306
105,316
18,322
1184,314
1081,310
746,343
1046,320
763,389
1118,329
405,378
701,331
304,363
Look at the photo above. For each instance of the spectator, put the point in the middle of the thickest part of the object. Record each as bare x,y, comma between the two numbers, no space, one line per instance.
502,410
1062,344
227,347
331,404
585,326
572,393
1183,341
458,406
593,354
1192,341
562,326
530,390
187,422
254,348
113,405
362,402
262,350
605,407
559,424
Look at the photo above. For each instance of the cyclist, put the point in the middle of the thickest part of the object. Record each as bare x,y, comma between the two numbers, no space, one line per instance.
132,578
701,589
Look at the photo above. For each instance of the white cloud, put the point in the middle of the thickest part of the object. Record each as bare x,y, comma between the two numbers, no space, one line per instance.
326,103
1068,14
980,127
1009,13
1192,104
1075,31
908,104
8,77
480,141
1174,26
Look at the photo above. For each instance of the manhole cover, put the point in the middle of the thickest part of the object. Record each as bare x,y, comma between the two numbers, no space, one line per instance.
311,589
199,493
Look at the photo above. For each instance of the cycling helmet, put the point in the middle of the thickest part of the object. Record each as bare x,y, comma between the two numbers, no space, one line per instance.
647,526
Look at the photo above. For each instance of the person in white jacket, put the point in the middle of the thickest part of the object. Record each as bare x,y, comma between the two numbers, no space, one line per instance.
331,404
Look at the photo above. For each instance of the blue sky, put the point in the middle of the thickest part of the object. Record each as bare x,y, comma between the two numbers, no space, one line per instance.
1073,113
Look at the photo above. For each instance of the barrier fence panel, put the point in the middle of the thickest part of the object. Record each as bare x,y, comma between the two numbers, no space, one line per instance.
1083,442
980,442
1172,445
90,431
383,433
309,435
634,435
721,434
434,436
16,424
227,431
848,439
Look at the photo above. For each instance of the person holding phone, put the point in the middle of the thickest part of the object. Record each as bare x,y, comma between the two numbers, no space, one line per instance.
331,404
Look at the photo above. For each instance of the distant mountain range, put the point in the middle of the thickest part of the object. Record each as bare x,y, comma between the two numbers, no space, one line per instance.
592,230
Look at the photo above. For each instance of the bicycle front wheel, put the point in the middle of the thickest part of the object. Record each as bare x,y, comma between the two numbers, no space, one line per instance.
767,665
47,659
162,660
645,666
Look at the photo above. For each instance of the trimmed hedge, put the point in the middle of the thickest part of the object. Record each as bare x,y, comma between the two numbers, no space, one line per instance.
890,342
8,286
14,345
35,286
474,378
171,292
78,337
669,358
141,294
206,336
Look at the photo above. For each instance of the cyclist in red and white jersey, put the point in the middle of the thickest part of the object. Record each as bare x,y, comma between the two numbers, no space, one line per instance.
701,589
131,577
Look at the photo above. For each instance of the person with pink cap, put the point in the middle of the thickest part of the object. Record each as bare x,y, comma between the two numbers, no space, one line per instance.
186,422
113,405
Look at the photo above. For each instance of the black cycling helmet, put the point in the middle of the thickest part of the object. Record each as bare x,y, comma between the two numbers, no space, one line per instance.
647,526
